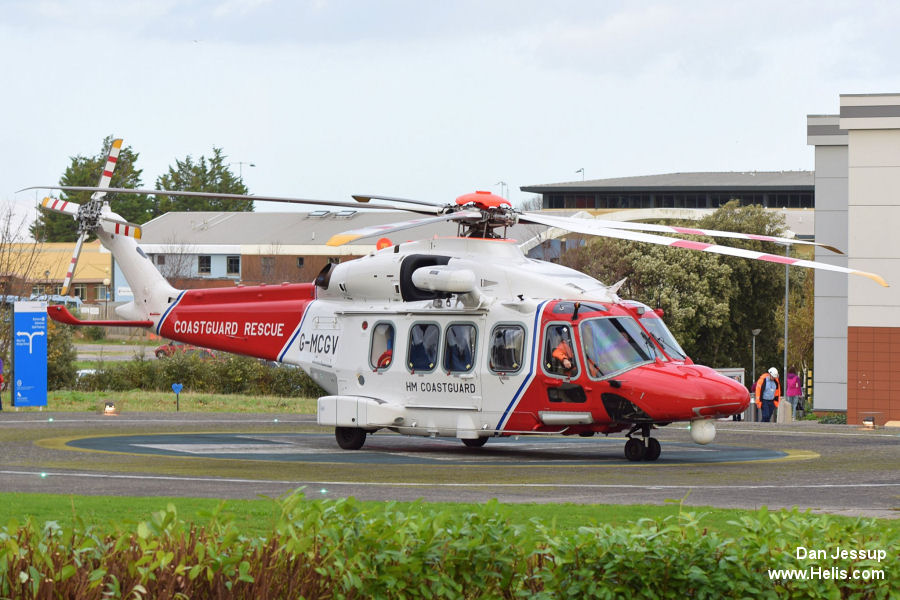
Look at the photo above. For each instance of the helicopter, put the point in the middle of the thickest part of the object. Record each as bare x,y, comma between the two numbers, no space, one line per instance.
461,337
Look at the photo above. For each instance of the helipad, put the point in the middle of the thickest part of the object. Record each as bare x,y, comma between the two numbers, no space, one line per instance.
388,448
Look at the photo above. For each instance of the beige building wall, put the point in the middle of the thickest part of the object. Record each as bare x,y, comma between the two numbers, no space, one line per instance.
830,345
872,122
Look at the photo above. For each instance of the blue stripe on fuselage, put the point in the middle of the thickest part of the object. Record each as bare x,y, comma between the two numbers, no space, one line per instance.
534,352
168,310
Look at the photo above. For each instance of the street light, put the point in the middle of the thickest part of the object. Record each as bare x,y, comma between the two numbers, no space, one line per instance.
240,165
47,286
752,414
581,170
755,333
504,190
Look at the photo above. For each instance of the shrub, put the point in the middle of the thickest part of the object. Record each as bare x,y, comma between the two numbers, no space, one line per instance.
339,549
230,374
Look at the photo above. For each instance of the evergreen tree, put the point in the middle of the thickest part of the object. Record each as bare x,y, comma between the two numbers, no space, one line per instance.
711,302
86,171
203,175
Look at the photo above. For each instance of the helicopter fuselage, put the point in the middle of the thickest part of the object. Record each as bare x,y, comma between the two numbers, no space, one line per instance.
459,337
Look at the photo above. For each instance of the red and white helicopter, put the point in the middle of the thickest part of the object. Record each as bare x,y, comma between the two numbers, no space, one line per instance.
462,337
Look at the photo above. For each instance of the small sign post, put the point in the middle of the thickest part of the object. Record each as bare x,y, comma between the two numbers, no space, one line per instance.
29,354
176,387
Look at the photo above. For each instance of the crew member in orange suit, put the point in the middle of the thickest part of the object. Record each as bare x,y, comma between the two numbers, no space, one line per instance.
768,393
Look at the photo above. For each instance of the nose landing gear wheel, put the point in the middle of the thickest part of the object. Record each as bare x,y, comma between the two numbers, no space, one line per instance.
634,449
350,438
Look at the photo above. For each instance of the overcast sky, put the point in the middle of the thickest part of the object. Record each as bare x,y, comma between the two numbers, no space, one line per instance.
431,99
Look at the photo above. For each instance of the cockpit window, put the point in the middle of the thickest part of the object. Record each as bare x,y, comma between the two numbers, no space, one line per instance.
658,330
559,358
614,344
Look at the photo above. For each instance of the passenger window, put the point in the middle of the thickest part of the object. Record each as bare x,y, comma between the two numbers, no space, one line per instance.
381,354
459,348
559,356
423,347
507,348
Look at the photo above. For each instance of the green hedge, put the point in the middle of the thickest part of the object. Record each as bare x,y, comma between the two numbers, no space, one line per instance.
338,549
228,374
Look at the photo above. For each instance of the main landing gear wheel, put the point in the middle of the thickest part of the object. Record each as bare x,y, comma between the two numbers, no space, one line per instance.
475,443
634,449
350,438
653,449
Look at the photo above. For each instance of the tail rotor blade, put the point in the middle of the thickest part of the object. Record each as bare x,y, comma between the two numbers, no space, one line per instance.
106,176
60,206
120,227
72,264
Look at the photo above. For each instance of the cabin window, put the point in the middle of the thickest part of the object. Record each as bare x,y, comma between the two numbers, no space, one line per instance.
614,344
424,340
507,348
204,264
459,348
381,353
559,354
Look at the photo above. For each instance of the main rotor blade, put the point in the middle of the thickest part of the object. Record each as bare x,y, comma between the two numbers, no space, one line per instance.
430,210
365,198
364,232
573,225
606,224
72,264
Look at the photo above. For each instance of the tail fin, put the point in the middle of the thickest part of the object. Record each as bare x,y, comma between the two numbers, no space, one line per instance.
152,293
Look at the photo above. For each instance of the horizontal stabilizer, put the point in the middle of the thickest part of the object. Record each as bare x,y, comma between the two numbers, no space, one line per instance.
61,314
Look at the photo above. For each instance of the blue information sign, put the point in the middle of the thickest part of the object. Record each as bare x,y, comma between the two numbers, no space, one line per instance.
30,354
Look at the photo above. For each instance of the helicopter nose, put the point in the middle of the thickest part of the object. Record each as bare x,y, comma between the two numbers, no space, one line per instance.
723,396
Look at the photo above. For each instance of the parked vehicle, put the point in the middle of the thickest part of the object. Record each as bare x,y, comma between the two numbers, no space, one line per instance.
171,348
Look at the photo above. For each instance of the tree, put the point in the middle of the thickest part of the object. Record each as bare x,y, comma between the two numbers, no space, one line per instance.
711,302
86,171
203,175
692,288
801,320
759,285
18,263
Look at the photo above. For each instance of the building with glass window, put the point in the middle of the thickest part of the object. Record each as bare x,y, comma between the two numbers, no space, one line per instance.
772,189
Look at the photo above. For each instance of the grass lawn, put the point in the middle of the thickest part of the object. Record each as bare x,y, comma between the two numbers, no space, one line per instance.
142,401
258,516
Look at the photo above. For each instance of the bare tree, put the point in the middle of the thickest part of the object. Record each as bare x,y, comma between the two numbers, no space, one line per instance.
18,265
176,260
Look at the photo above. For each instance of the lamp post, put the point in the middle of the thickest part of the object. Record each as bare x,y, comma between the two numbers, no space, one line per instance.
752,409
47,286
581,170
755,333
240,165
504,190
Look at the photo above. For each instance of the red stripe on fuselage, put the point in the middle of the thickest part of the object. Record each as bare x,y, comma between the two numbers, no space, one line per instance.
252,320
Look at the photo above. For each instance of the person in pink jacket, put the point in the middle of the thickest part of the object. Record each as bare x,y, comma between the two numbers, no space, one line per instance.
794,390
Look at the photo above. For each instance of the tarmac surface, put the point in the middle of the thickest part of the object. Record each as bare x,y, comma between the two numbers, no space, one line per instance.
824,468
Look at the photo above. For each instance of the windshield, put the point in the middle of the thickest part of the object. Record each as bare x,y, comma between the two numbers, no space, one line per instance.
658,329
614,344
